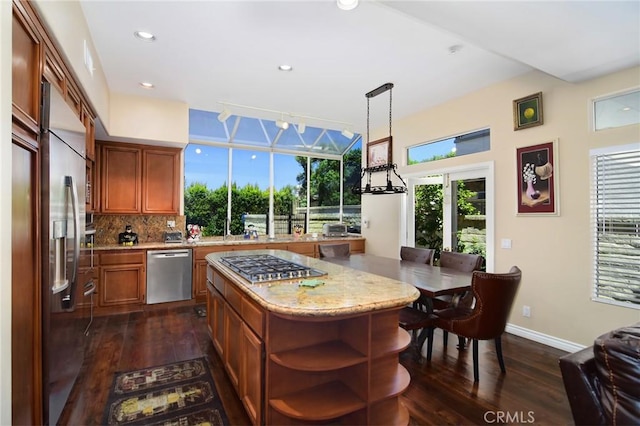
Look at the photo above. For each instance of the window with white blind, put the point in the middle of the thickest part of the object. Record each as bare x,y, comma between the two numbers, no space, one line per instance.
615,214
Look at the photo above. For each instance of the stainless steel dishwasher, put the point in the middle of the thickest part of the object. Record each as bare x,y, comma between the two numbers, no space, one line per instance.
168,275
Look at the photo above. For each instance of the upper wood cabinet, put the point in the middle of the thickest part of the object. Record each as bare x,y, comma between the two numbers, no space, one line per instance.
52,71
90,126
160,181
121,179
138,179
27,51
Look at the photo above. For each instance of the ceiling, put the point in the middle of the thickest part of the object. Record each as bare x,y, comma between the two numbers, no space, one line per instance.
207,52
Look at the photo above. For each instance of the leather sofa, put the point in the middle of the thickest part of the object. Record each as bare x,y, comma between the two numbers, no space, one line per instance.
603,381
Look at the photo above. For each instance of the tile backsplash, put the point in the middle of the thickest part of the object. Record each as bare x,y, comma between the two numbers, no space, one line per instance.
150,229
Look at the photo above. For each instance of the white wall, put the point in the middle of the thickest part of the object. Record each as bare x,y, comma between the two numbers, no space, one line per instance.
123,117
553,252
5,210
151,120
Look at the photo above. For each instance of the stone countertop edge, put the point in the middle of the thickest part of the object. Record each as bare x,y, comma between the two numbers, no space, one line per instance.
345,290
218,241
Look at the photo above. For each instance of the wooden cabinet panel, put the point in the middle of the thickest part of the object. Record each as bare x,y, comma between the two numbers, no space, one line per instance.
232,345
90,183
356,246
160,182
26,386
120,183
26,50
251,375
218,322
122,258
308,249
122,278
199,277
73,99
253,315
52,72
90,126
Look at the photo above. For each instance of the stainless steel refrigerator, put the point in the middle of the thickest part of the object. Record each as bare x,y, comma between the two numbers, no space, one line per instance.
63,141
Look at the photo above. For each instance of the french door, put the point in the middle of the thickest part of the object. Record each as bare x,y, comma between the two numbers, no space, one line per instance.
453,210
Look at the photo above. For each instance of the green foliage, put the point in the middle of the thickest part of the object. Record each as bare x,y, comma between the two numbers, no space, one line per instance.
325,179
434,158
208,207
429,214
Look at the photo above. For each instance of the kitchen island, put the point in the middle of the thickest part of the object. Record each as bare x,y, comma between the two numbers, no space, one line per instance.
311,350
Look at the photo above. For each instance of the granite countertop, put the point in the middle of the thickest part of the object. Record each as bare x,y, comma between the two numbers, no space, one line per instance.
219,241
344,290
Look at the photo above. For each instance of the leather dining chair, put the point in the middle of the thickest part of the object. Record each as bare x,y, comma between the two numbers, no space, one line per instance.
494,295
416,254
334,250
464,262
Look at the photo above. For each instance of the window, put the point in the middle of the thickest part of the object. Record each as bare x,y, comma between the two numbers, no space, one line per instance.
617,110
455,146
239,171
615,214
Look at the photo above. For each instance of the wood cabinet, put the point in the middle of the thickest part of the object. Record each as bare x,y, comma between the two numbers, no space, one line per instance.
34,59
341,369
235,327
26,333
52,71
135,179
120,179
306,248
251,381
92,198
199,274
296,370
160,174
27,51
232,354
122,278
90,126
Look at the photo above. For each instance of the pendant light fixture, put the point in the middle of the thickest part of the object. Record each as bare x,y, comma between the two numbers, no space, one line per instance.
379,158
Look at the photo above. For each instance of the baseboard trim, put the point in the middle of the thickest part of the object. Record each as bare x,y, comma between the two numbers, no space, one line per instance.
545,339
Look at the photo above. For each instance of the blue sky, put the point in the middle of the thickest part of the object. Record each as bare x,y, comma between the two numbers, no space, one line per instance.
210,166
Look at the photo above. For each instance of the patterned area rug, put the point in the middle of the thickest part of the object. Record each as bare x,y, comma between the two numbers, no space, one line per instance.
182,393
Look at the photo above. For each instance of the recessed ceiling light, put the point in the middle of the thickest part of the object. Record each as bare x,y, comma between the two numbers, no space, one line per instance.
147,85
347,4
285,67
143,35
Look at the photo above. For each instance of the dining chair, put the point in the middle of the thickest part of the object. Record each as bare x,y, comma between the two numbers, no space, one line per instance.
416,254
494,295
334,250
464,262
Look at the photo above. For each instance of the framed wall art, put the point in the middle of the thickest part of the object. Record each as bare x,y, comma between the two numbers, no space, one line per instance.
537,174
379,152
527,111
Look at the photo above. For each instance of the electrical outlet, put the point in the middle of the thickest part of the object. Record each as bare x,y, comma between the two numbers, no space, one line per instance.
171,223
526,311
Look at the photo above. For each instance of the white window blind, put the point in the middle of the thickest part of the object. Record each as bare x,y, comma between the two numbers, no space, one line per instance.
615,213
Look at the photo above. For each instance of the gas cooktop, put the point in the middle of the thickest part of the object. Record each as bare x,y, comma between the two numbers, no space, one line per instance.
260,268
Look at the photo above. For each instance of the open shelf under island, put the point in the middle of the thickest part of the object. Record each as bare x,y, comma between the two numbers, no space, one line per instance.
311,351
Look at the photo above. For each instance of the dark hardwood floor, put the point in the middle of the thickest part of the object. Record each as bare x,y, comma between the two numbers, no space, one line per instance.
441,392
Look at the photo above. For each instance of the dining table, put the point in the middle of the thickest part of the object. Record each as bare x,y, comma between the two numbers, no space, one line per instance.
431,281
